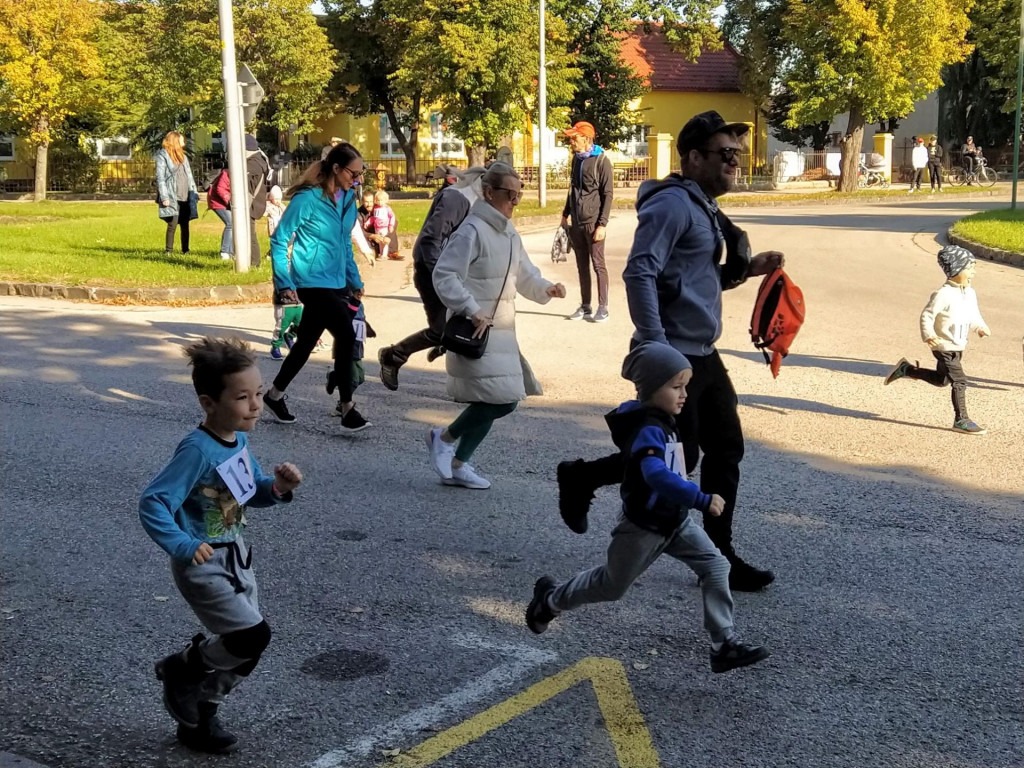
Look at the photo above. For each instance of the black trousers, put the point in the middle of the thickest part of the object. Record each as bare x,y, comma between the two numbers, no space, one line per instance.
949,369
969,163
918,175
254,245
935,173
181,220
430,336
588,252
709,422
324,309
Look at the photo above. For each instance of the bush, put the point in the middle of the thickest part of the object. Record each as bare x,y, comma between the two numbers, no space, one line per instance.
72,167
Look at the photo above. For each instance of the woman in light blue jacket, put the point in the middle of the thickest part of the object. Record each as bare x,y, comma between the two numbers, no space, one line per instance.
322,274
174,187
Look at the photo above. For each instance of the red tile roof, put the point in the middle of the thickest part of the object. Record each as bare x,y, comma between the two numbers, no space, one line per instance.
666,70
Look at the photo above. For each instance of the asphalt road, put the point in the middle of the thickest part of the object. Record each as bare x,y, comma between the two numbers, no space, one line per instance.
397,603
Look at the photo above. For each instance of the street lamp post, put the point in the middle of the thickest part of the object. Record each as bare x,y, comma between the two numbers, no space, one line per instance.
235,139
542,103
1017,122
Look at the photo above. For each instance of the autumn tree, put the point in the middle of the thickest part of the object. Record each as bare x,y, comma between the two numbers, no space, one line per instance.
995,27
49,66
872,59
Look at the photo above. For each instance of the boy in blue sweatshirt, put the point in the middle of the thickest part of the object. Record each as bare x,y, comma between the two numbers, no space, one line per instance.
656,503
195,510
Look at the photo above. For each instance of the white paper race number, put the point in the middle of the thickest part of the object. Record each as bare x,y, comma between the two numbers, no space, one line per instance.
359,326
236,472
675,459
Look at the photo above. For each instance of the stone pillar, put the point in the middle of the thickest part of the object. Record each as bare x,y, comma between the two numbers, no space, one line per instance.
662,154
883,146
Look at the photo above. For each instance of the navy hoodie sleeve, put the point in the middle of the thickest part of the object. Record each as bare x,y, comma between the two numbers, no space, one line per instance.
661,221
650,445
607,179
449,210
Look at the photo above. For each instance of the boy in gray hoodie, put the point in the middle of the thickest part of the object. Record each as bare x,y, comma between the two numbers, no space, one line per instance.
946,322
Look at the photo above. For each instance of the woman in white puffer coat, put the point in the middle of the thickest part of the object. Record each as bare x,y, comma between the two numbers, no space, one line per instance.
478,275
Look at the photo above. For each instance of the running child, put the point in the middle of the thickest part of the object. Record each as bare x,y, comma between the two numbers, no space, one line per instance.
195,510
946,323
655,520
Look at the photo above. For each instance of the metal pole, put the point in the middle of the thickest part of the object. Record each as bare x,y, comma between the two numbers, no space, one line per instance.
1017,122
542,99
233,132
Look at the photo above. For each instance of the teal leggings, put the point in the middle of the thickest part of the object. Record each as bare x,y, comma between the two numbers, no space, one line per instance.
473,424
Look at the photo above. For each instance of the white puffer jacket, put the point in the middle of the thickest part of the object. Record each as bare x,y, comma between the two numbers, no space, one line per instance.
951,314
468,278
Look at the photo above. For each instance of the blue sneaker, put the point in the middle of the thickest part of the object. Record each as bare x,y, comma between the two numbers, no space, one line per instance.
275,354
289,340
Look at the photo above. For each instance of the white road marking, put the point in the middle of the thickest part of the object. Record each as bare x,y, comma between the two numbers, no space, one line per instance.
521,660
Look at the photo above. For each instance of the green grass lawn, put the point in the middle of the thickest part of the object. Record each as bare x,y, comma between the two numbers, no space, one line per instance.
998,229
122,244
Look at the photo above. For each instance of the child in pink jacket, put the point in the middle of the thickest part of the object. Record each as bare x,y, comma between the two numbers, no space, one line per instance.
385,225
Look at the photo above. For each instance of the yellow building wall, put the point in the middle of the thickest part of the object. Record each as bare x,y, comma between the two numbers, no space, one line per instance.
23,164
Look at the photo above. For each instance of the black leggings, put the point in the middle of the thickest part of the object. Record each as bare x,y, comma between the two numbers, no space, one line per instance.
178,220
324,309
949,369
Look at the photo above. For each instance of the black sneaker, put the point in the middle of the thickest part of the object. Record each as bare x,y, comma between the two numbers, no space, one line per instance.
734,653
744,577
181,673
899,372
574,495
332,382
388,371
538,614
279,409
209,735
353,421
435,353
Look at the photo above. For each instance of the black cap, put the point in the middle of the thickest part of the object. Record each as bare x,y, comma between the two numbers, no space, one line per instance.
702,127
251,145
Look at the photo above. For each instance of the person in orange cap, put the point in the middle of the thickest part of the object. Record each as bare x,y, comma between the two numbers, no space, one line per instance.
587,208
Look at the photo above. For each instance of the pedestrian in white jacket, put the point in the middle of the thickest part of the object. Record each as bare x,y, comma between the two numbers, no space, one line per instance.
946,322
919,159
480,271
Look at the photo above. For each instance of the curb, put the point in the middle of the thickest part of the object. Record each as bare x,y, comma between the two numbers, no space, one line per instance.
216,293
1012,258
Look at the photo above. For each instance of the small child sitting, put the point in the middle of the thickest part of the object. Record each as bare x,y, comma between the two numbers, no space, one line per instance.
287,313
655,520
195,510
385,227
946,322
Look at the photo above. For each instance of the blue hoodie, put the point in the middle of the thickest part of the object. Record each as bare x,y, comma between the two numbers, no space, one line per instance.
322,251
673,276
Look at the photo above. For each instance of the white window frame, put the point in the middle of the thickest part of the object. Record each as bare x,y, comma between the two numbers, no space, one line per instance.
439,137
8,138
387,136
636,145
101,143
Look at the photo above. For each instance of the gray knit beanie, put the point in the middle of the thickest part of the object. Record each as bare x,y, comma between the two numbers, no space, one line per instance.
650,365
953,259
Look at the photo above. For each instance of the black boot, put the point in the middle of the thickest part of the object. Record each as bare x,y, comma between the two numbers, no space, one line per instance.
574,495
388,368
744,577
209,735
181,673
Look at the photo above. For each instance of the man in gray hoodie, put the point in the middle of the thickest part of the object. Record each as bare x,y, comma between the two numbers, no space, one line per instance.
674,281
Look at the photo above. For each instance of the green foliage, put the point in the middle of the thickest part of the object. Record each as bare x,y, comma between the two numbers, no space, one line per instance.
814,135
74,165
755,29
997,229
969,105
995,29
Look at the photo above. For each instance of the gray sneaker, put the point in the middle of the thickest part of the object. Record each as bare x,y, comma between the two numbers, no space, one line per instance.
583,313
600,316
968,427
899,372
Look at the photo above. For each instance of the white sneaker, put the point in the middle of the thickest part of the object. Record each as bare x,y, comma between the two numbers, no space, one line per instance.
226,256
441,453
466,477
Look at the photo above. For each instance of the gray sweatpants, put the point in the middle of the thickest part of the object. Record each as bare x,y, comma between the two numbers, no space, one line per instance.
224,597
632,551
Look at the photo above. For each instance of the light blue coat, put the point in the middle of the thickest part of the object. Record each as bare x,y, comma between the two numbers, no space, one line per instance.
319,230
165,186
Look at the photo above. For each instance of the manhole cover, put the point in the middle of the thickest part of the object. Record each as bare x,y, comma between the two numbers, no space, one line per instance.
350,535
345,664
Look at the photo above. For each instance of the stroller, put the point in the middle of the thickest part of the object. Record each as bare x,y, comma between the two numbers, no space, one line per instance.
873,174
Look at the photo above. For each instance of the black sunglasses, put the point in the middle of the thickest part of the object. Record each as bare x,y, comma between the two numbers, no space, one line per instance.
515,195
728,154
355,174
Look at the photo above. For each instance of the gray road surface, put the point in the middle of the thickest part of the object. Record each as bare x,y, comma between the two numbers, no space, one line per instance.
396,603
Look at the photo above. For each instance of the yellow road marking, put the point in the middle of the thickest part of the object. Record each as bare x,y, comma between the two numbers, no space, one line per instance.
625,724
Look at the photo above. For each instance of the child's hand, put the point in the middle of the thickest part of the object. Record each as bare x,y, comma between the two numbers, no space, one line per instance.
933,342
286,478
203,553
717,505
556,291
983,332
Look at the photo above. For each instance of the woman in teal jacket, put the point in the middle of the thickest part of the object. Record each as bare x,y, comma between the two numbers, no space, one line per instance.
321,273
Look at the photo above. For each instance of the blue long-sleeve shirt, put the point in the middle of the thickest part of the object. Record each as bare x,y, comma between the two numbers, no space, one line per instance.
665,481
190,502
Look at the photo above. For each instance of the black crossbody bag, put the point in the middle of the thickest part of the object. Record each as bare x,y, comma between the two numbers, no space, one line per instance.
459,329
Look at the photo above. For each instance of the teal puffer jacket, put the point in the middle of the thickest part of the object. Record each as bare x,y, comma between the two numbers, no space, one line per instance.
322,247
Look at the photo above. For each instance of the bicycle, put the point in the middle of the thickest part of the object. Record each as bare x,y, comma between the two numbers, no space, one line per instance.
982,175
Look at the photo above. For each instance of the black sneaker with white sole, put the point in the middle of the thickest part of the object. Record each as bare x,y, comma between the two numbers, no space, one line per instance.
734,654
279,409
353,421
538,614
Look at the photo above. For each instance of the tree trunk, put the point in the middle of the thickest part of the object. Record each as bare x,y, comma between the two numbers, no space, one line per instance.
407,143
477,154
850,148
42,155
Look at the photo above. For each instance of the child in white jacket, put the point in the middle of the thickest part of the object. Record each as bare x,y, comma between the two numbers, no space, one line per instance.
951,314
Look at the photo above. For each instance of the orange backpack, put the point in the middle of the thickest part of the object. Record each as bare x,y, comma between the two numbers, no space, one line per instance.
778,315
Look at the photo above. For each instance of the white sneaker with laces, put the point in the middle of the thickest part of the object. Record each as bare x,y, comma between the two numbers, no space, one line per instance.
441,453
466,477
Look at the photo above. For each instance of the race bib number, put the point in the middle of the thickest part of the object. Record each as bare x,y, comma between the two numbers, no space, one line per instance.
236,473
359,326
675,459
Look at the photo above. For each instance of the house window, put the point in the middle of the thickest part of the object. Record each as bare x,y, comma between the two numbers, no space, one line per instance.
6,147
217,142
443,143
117,148
635,144
389,146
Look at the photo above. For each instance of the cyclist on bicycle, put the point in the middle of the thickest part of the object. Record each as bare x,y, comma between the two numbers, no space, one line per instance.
971,152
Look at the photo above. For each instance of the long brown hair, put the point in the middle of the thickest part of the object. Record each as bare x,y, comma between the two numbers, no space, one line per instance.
172,145
316,175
